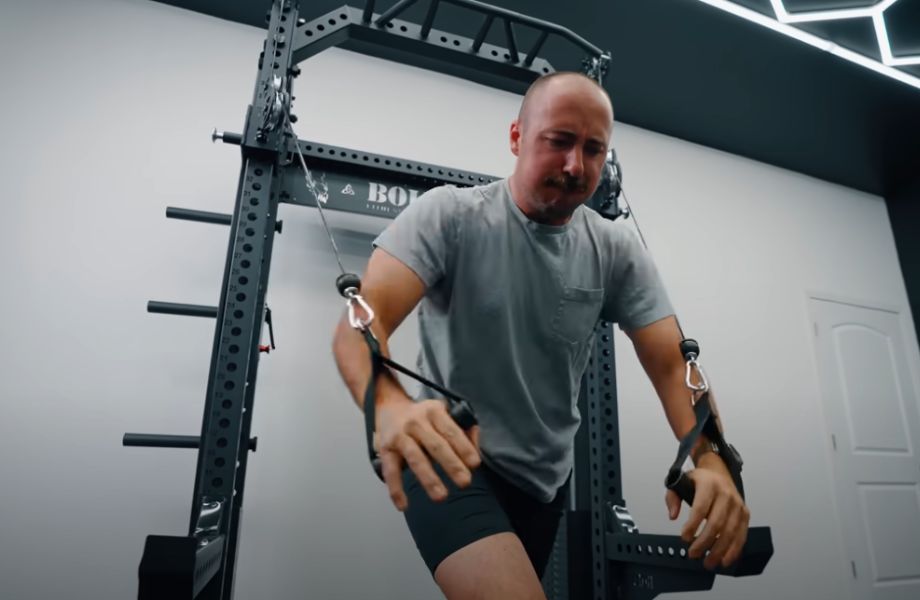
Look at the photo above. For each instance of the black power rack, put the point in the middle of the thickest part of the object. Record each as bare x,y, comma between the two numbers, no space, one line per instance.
599,553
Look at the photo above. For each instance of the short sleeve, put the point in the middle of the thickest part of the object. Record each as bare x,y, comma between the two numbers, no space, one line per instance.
423,236
635,295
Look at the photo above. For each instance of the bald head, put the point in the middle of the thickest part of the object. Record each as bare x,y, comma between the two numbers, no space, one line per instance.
560,139
557,82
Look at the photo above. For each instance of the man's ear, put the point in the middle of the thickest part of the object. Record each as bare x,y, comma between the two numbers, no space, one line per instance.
515,137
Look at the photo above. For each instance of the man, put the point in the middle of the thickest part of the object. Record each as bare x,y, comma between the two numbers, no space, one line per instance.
511,278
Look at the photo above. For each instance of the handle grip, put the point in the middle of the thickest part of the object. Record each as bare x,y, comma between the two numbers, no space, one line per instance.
682,485
462,414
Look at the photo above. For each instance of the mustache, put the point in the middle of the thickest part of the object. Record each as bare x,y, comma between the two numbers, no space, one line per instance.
566,183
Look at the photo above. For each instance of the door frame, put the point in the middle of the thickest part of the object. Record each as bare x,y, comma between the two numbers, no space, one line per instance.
912,358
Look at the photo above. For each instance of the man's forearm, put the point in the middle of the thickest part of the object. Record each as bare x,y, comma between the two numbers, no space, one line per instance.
352,356
658,348
675,398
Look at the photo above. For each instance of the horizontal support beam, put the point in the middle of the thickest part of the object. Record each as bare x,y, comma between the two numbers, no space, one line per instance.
367,183
156,440
514,17
413,44
198,215
207,217
186,310
671,551
227,137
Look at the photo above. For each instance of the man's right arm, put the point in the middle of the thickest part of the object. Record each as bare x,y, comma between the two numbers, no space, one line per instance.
392,290
407,432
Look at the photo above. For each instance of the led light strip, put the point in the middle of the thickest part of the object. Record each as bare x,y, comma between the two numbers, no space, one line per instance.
876,12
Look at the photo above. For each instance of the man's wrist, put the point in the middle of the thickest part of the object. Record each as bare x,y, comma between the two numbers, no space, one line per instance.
712,461
703,450
389,391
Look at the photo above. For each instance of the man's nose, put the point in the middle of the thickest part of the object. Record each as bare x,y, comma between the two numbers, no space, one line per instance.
574,162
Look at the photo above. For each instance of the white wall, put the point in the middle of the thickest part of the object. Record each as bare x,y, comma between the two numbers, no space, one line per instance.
107,110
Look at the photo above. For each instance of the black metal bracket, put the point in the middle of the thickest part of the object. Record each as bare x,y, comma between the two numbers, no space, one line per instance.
201,564
607,556
178,567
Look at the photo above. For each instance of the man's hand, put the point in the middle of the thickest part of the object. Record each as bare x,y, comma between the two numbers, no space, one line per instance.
407,432
718,502
411,433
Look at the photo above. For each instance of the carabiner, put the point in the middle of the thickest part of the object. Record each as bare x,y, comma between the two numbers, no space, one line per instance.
355,321
703,386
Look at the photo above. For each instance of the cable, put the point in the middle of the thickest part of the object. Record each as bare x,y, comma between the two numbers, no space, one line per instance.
632,214
320,196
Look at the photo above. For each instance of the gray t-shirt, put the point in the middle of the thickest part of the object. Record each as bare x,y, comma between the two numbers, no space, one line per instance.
508,313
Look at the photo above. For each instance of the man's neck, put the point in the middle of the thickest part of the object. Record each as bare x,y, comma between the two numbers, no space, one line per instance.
518,195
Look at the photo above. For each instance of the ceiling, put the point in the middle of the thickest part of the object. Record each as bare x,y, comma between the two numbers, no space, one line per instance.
686,69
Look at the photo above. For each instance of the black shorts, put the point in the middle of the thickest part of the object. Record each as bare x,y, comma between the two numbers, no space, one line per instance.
489,505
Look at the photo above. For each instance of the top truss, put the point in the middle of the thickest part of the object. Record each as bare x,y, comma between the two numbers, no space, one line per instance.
385,36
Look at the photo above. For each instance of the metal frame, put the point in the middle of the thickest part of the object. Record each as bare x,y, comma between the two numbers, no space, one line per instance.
606,555
202,564
385,36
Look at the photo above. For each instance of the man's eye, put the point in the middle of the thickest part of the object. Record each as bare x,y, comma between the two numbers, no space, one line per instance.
557,142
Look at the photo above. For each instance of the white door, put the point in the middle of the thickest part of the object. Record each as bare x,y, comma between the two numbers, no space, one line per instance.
871,409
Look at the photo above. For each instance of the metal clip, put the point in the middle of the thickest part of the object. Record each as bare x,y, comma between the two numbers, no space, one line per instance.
353,319
703,386
207,527
596,67
620,520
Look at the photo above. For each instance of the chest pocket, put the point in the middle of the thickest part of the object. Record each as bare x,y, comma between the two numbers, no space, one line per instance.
577,313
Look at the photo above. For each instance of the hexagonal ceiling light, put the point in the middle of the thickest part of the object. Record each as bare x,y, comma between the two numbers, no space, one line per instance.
784,23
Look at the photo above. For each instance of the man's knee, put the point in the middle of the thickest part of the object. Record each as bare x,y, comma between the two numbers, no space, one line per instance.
492,568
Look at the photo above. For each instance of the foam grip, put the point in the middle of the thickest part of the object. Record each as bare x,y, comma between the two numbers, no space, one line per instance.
681,484
462,414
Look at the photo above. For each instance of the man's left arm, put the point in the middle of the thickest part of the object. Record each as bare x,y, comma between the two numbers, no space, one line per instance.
716,500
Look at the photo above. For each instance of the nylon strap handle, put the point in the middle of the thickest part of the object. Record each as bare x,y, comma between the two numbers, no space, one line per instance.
677,479
458,408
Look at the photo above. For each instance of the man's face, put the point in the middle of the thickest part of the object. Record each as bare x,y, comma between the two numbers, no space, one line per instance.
561,144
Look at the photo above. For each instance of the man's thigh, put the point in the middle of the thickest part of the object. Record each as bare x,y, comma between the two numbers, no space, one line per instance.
488,507
492,568
536,524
